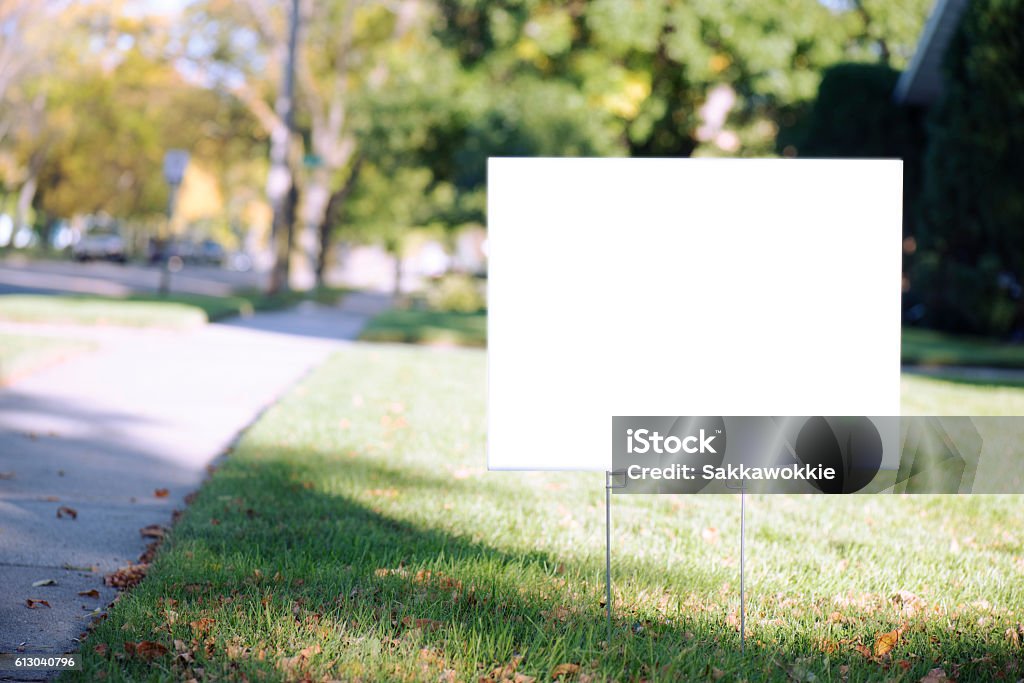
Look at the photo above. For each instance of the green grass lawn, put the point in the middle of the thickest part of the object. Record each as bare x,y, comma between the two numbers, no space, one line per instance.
428,327
21,355
354,534
148,310
927,347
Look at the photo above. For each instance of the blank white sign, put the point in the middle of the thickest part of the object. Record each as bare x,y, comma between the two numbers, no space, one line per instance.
685,287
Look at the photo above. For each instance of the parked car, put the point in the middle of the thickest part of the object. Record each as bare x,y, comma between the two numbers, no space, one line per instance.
99,243
210,252
207,252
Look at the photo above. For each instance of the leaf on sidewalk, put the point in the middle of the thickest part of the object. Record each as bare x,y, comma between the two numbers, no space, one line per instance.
34,604
161,493
93,593
43,582
64,511
153,531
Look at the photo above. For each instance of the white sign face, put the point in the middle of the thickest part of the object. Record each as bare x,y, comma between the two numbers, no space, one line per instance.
685,287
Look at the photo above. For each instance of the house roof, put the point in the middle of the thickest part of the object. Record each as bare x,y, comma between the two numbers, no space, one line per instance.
922,81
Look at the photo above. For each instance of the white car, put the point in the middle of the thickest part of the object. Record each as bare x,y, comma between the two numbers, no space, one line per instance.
99,243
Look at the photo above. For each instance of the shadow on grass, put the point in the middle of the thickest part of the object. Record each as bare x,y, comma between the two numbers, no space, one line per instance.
267,561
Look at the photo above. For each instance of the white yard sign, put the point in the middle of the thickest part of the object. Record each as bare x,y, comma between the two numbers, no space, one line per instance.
685,287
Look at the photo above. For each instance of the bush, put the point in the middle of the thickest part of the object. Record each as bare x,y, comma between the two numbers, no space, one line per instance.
456,293
855,116
971,234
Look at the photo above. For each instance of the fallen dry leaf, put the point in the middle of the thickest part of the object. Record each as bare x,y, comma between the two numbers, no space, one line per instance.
886,642
863,650
310,651
289,663
161,493
64,511
101,649
201,626
556,614
507,673
126,577
152,531
146,649
935,676
44,582
427,577
92,593
565,671
32,604
427,624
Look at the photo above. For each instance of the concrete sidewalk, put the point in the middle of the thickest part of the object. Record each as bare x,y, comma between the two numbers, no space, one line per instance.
102,432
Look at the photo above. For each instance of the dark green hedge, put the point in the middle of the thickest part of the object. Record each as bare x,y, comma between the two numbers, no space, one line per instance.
855,116
970,270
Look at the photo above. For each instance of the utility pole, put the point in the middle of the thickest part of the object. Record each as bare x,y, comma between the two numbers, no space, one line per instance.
280,181
175,163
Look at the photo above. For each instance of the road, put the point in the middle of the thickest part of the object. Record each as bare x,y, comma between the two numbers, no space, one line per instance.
104,432
22,276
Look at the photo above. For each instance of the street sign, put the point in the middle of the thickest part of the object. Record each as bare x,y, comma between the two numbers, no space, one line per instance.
685,287
175,163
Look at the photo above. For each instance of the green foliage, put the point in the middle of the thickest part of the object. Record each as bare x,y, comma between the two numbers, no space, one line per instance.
415,326
456,293
855,116
932,349
971,270
649,65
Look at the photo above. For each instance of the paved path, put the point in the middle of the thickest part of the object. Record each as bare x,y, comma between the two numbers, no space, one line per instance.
969,373
19,275
102,431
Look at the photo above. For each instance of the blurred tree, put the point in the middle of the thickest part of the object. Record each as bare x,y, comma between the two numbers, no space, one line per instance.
28,51
855,115
653,64
971,266
89,128
347,49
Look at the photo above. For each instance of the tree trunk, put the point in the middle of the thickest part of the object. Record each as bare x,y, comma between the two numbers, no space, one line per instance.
281,190
314,211
332,217
398,272
25,196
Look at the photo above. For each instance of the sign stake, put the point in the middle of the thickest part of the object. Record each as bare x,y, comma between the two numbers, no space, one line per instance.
742,488
743,594
609,484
